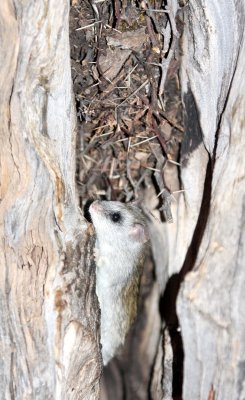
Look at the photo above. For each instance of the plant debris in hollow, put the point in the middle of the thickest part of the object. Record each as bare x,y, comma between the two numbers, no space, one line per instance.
125,69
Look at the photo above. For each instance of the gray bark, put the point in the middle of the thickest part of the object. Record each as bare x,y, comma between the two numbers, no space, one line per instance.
206,244
211,239
48,309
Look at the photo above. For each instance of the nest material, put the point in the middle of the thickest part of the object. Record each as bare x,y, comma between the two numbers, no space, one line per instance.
125,69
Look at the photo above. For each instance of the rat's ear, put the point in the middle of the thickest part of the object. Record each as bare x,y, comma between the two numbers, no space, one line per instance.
139,233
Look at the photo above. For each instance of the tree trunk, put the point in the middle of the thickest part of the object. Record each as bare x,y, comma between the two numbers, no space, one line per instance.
211,239
49,312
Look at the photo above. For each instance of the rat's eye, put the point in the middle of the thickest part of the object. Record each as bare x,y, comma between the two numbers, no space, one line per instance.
116,217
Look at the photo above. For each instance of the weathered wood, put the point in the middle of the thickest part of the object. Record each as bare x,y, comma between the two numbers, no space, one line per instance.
211,238
48,307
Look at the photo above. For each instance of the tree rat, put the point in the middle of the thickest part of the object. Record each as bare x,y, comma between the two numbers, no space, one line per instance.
120,242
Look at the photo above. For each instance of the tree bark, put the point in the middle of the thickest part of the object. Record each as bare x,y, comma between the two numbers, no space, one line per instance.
211,240
206,245
48,308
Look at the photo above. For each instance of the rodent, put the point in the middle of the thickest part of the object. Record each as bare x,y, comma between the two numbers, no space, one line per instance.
121,237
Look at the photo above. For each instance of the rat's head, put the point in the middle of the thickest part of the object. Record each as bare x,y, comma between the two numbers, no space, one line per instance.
118,222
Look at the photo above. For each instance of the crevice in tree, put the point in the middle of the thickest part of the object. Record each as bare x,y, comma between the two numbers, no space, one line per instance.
168,301
191,141
127,131
169,298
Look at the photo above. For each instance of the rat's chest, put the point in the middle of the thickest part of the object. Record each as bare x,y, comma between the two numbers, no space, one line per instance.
113,265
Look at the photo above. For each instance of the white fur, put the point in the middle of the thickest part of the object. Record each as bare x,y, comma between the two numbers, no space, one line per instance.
117,252
112,272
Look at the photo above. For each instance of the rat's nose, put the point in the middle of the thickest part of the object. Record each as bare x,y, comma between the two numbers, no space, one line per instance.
96,206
